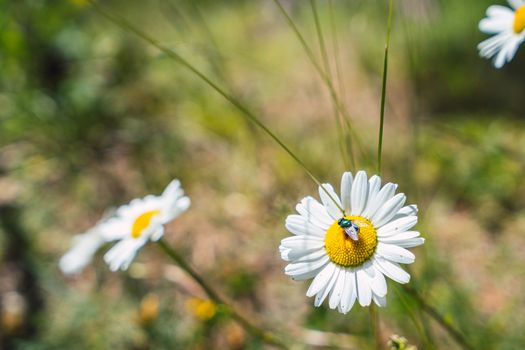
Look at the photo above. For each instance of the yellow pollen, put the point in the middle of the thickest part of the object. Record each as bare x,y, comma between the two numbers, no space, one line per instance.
519,20
142,222
343,250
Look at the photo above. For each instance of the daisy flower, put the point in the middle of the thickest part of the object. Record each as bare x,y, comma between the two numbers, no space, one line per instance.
349,254
508,27
141,221
132,225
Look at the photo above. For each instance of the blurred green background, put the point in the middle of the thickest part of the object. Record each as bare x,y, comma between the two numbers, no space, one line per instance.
91,117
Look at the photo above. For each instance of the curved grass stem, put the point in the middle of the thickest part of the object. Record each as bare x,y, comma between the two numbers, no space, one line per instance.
264,335
326,80
432,312
245,112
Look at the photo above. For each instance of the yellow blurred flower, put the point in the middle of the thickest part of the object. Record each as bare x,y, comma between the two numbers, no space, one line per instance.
202,309
149,309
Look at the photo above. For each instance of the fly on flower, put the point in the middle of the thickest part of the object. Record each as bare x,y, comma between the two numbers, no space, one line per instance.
132,225
508,26
348,254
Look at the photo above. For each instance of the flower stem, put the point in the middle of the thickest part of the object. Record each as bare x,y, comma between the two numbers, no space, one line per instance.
383,87
374,323
266,336
432,312
124,24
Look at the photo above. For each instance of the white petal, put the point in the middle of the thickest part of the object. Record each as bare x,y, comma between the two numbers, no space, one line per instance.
295,269
321,296
120,256
337,291
309,274
407,210
388,210
359,193
298,225
321,280
302,242
350,292
516,4
305,255
375,202
395,253
399,237
495,25
397,226
411,243
364,292
380,301
392,270
314,212
378,283
346,191
330,200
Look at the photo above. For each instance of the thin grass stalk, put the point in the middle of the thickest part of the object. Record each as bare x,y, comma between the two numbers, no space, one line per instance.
121,22
333,94
432,312
324,55
383,87
264,335
340,80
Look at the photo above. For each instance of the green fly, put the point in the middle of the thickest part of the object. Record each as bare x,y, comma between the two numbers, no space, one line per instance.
350,228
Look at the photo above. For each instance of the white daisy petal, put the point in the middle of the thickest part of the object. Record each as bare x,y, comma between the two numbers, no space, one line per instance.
321,296
399,237
516,4
346,190
380,301
349,293
378,283
374,203
302,242
306,255
388,210
295,269
364,292
392,270
395,253
337,291
397,226
314,212
298,225
309,274
407,210
330,201
411,243
359,193
321,280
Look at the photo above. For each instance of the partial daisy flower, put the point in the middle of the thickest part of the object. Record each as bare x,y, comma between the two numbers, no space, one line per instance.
508,25
82,251
140,221
348,253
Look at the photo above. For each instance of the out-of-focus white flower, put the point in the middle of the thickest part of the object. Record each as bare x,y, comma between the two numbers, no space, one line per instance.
508,27
348,253
140,221
132,225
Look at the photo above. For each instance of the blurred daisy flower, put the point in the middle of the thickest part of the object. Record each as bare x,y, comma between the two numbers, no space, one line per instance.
348,254
132,225
508,27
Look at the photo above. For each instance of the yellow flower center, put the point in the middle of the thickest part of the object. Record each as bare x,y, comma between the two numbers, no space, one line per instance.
345,251
142,222
519,20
